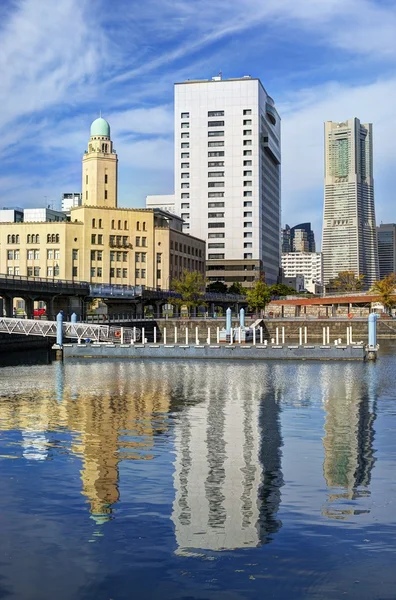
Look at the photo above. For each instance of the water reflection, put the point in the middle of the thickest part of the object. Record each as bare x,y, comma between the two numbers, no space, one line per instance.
348,441
228,475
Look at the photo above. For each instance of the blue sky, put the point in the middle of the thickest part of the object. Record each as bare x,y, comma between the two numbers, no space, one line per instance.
62,62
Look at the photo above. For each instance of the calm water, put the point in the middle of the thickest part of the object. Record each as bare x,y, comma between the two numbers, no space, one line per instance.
183,480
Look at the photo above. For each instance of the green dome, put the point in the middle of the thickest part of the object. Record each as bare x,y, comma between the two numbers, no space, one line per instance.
100,127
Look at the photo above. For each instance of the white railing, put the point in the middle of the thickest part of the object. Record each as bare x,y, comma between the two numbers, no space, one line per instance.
48,329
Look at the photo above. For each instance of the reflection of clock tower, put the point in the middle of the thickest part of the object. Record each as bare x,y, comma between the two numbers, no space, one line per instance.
99,168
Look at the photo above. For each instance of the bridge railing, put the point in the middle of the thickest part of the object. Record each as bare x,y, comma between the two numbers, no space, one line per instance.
19,281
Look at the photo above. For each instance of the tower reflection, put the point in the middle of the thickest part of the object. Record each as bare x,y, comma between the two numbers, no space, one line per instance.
348,442
227,474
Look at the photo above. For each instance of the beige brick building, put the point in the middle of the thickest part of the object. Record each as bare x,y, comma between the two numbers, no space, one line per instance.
102,243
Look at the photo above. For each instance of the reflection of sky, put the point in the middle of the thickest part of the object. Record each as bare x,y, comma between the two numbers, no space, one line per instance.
46,532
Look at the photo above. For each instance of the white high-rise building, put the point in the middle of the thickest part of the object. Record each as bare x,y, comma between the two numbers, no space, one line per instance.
386,234
349,230
307,264
227,175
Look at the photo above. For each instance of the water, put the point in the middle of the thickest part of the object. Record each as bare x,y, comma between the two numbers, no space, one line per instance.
198,480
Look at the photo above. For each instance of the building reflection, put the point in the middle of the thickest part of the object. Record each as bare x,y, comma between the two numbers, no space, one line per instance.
108,425
227,474
348,442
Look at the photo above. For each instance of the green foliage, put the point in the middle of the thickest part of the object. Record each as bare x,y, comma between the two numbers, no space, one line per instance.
258,296
346,281
237,288
191,287
218,287
385,288
280,289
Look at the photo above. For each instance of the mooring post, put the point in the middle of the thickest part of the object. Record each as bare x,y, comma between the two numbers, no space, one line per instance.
254,335
218,335
261,335
350,334
324,336
347,336
175,335
283,335
305,335
300,340
164,335
143,336
240,333
242,317
122,335
328,336
277,336
208,340
59,335
196,337
155,335
134,335
186,336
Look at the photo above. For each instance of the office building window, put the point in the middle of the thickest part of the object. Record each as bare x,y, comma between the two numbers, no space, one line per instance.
214,153
216,225
215,133
185,195
216,215
137,257
99,272
185,135
247,183
57,254
185,144
216,113
137,241
119,256
185,186
10,271
185,155
185,215
215,123
215,256
248,224
125,257
247,111
215,194
247,163
185,125
75,271
30,254
16,270
106,179
247,142
93,239
216,174
112,271
247,121
158,273
100,240
216,163
215,184
185,165
185,205
214,144
93,223
124,273
10,254
247,194
247,234
30,271
93,272
216,245
247,214
185,175
143,273
99,255
248,245
185,115
93,254
36,254
16,254
247,153
247,132
75,254
247,203
248,255
218,234
144,242
247,173
143,257
105,194
118,273
215,204
36,271
159,258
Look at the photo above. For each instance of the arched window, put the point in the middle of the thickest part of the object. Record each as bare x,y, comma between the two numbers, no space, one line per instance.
48,238
113,224
144,225
8,239
17,239
138,225
28,238
119,224
106,147
57,238
93,223
13,239
125,225
100,223
37,238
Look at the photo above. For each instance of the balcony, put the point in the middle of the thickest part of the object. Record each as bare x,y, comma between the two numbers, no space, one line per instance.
121,245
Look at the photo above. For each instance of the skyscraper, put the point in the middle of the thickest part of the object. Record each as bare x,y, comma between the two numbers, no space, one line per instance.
349,230
386,234
299,238
227,175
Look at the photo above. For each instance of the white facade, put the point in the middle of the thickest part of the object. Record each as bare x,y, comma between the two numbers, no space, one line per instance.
307,264
349,229
163,202
227,169
71,200
386,234
11,215
42,215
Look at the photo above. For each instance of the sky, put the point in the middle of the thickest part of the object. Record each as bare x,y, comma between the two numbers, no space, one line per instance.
63,62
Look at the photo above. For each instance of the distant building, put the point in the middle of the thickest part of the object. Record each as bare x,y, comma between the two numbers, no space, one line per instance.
71,200
307,264
42,215
285,239
297,282
299,238
386,234
11,215
163,202
349,229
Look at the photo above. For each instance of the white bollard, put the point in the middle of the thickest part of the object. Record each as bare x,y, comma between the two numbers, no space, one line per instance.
272,340
283,335
122,335
265,342
164,335
261,335
277,336
300,336
175,335
254,335
305,335
196,336
328,336
155,335
231,335
347,336
218,335
208,340
143,338
239,335
186,336
350,335
134,334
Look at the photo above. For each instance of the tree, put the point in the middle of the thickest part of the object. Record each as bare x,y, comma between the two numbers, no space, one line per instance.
280,289
346,281
217,287
385,288
237,288
259,296
191,287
